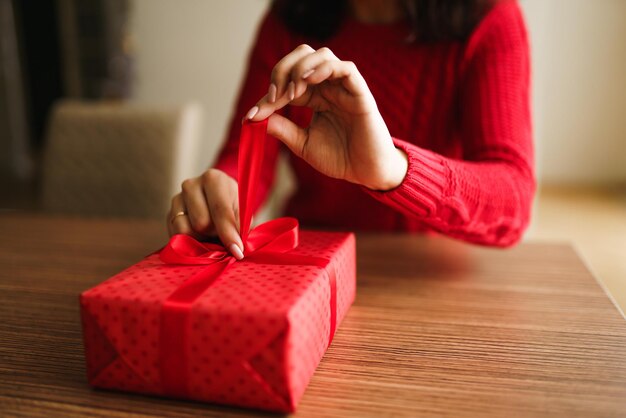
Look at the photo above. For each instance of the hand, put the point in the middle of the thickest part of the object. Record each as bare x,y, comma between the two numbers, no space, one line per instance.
347,137
207,205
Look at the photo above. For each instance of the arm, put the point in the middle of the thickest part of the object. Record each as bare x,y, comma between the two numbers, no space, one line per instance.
485,198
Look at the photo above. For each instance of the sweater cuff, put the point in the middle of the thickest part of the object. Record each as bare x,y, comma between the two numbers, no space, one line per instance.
424,186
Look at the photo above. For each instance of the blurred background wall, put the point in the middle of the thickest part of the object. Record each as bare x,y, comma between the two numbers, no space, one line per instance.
579,58
194,49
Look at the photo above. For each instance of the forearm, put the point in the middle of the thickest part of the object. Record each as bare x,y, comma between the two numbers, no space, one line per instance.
484,202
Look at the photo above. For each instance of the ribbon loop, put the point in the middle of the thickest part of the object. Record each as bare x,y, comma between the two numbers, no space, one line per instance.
276,236
183,249
279,235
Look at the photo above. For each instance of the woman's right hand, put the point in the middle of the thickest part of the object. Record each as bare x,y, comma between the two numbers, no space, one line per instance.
208,205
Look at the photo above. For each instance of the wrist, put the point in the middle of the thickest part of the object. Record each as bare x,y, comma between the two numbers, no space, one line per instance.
394,172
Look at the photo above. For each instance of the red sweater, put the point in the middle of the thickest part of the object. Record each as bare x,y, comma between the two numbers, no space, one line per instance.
460,110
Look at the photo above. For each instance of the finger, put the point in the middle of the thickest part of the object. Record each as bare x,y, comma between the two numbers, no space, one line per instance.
289,133
180,224
299,63
285,88
197,207
344,71
282,69
306,66
263,109
222,207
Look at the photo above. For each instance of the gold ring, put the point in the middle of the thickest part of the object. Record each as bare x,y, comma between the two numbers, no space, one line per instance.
181,213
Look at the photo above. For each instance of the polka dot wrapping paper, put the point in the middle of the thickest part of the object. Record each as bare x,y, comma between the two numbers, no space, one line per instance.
255,336
189,321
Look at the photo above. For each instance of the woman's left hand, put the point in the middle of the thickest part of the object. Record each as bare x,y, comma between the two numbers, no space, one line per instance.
347,137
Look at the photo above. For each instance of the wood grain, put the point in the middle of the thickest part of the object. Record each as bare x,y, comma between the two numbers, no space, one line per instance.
439,328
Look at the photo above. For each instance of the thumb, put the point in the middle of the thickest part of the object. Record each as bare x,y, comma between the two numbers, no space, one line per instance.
288,133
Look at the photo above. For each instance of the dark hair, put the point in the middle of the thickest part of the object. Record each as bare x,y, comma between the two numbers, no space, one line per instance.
431,20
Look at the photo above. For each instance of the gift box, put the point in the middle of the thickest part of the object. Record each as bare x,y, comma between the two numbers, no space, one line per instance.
189,321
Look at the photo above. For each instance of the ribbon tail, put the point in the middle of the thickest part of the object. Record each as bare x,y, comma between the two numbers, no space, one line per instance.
250,160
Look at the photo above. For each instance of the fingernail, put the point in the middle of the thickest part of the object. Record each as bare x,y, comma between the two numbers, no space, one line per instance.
308,73
234,249
271,93
252,112
291,89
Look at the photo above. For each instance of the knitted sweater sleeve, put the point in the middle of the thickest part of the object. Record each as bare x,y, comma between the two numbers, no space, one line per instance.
486,197
270,46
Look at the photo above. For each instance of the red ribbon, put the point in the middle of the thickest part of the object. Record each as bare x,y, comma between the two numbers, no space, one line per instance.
268,243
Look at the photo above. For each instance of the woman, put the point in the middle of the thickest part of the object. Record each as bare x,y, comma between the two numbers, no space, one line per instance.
405,116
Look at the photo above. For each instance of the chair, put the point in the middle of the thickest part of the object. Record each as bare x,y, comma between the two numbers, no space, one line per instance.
118,160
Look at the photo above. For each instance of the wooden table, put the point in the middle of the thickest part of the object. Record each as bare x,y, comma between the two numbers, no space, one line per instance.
438,328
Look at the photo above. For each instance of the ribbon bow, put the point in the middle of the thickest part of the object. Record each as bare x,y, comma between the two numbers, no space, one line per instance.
268,243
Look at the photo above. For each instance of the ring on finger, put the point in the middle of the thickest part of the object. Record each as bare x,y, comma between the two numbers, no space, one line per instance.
180,213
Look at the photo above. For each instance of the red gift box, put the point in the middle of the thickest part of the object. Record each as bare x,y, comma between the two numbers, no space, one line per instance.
189,321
